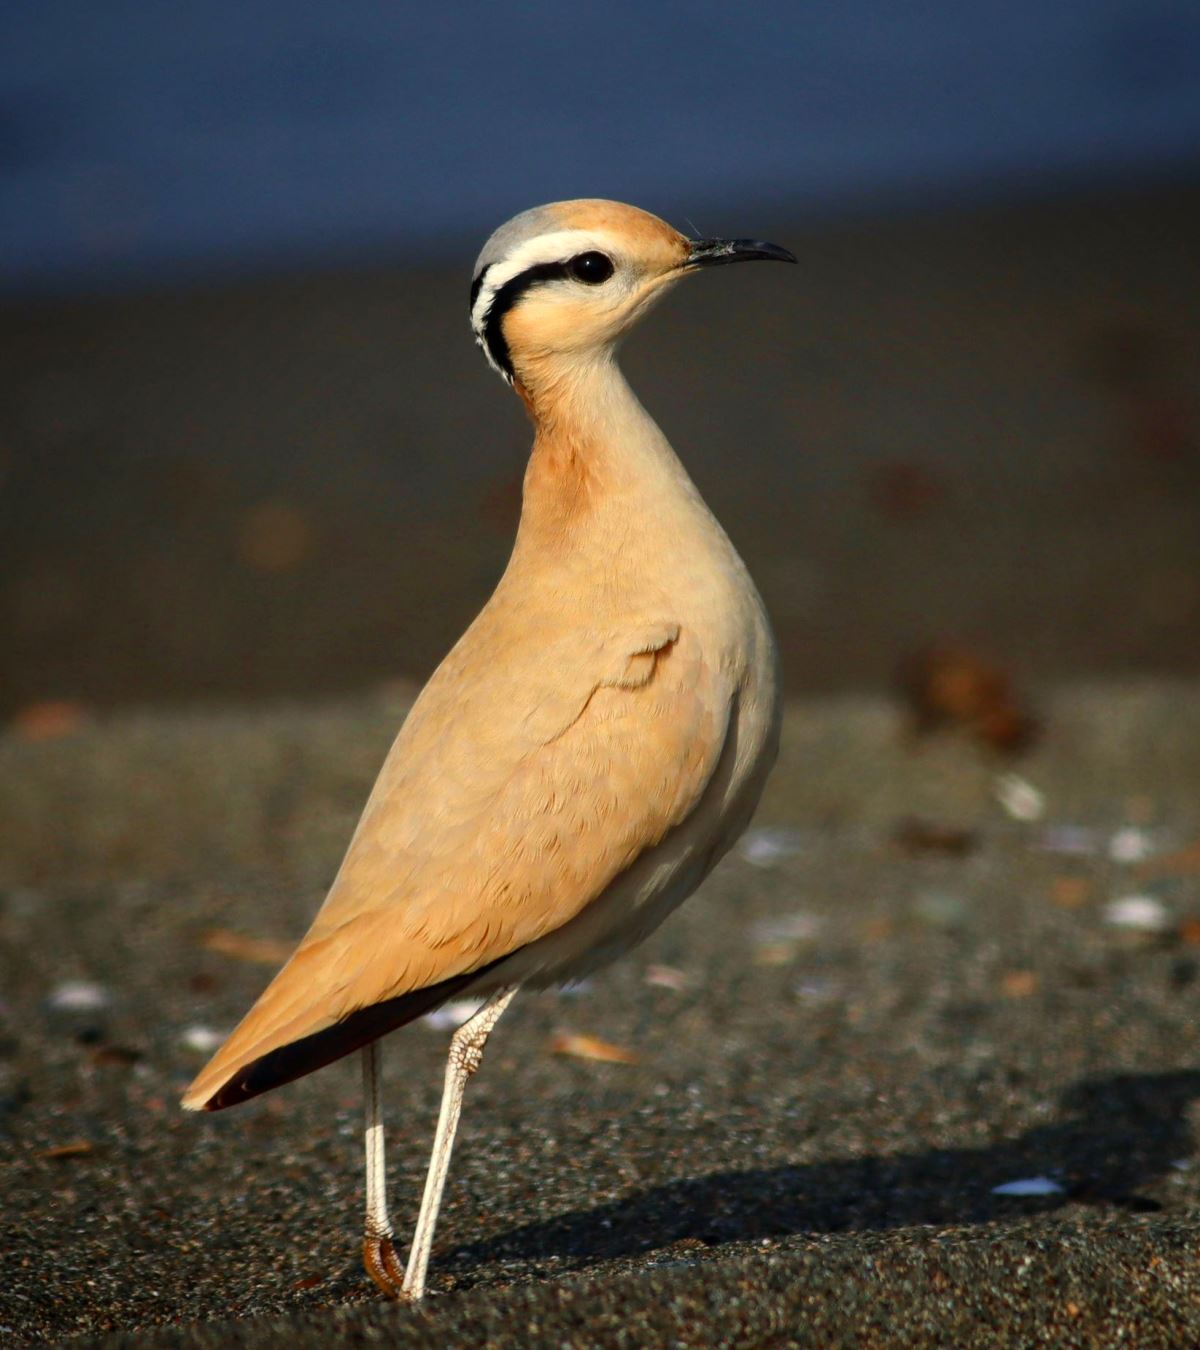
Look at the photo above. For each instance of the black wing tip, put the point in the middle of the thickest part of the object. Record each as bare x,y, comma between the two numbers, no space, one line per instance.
305,1056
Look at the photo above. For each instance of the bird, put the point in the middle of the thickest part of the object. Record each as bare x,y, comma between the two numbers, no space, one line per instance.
588,750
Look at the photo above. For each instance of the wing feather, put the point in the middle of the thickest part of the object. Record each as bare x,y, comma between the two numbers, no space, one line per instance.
509,802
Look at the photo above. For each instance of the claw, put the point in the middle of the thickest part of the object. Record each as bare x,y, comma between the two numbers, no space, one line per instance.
383,1266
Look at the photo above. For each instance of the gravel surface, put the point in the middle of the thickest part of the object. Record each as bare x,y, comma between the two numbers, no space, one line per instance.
859,1030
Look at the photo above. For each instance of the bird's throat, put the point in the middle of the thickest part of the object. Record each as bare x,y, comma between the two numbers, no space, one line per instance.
595,448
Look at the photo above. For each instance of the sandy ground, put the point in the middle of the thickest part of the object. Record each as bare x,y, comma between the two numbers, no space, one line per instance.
844,1044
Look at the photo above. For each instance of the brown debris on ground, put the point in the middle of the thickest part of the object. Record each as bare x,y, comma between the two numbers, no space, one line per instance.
953,686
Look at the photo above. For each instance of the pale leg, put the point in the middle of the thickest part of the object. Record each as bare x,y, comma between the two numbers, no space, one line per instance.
466,1052
379,1253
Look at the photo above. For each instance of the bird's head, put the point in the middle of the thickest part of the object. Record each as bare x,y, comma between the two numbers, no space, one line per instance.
565,281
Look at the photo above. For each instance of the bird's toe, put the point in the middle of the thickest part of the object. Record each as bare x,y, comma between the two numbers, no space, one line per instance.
383,1265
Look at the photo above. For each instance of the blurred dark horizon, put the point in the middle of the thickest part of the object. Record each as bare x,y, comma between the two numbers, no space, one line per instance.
247,447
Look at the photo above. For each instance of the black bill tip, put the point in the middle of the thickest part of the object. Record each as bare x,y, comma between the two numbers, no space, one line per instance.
717,252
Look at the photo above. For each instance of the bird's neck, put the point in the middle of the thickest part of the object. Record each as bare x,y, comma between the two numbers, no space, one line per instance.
596,450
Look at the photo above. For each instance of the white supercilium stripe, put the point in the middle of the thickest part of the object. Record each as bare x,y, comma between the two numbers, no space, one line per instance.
544,248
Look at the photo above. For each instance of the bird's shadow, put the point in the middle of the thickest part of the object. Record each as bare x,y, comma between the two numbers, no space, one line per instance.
1114,1137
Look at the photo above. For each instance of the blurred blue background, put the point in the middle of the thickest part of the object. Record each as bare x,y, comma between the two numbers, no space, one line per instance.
140,141
248,449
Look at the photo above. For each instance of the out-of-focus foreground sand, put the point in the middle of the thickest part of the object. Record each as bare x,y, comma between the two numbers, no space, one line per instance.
857,1031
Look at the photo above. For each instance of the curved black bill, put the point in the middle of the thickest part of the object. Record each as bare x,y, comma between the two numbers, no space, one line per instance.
717,252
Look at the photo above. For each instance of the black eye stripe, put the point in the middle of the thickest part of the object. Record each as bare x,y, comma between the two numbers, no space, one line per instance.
504,299
475,287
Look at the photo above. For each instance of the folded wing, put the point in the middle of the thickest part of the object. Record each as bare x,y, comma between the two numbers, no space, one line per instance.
512,798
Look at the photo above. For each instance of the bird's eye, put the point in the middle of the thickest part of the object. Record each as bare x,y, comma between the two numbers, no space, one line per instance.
591,268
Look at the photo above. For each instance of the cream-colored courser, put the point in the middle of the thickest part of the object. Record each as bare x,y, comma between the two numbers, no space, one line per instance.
593,744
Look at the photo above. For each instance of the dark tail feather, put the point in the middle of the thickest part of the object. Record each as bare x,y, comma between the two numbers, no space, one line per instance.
301,1057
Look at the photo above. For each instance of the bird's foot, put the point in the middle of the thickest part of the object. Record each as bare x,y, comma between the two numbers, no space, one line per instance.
382,1264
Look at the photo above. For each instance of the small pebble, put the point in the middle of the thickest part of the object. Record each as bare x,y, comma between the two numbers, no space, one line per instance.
1073,840
916,836
1070,892
78,996
77,1148
591,1047
1018,983
767,846
1144,913
667,977
450,1016
576,988
1019,797
818,988
940,909
202,1039
1029,1186
775,953
799,926
1130,845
